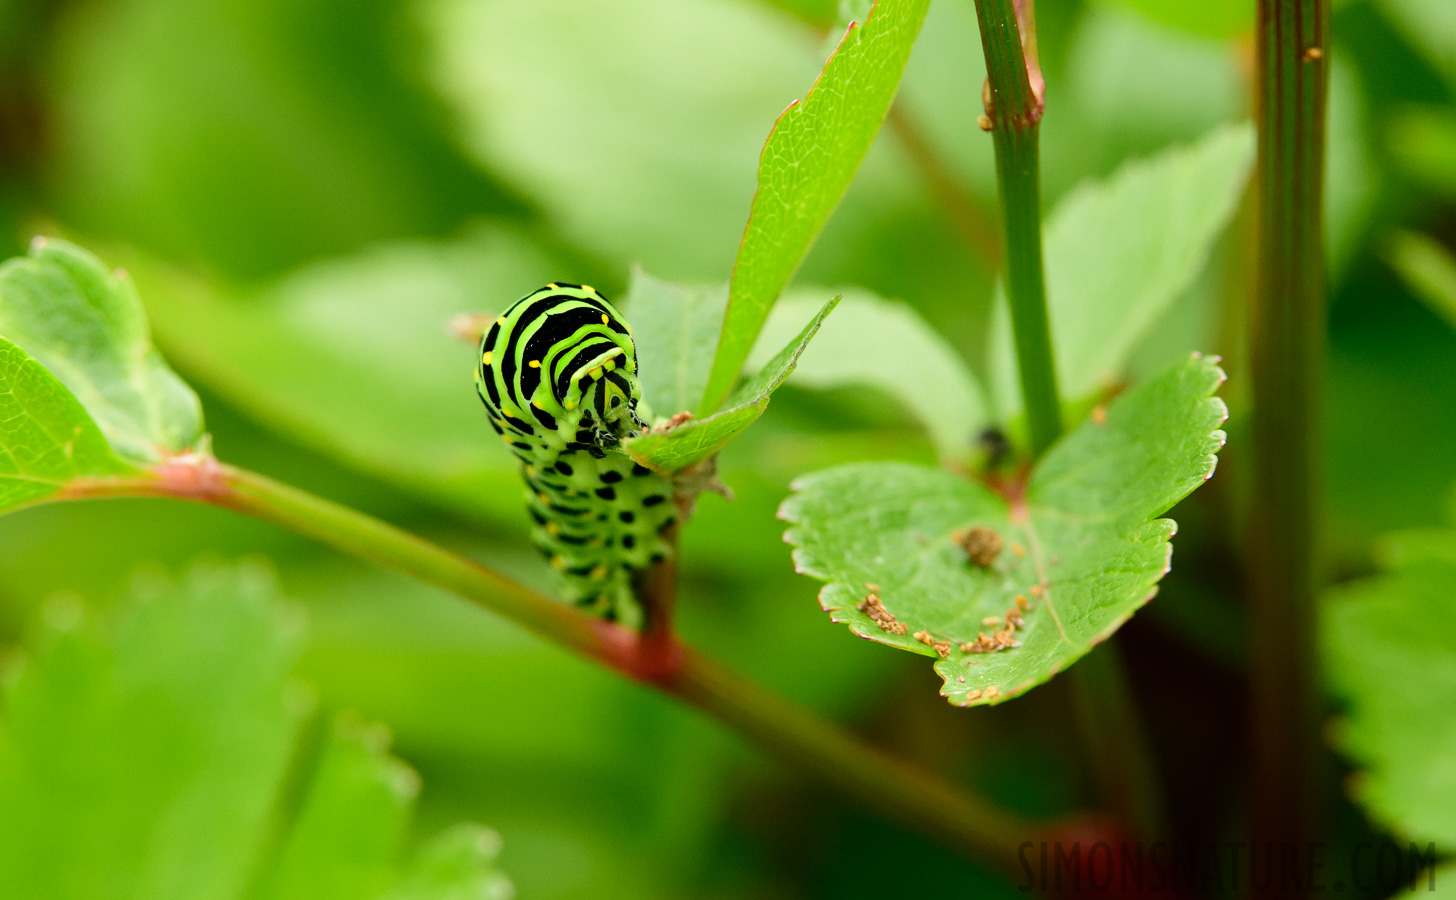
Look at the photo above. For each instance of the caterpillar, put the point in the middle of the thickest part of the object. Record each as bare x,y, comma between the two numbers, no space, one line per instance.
558,375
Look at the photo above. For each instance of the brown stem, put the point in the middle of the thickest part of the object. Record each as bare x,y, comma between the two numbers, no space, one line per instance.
1287,329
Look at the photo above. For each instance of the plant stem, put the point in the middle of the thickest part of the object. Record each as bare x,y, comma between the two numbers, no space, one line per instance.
796,736
1111,732
1013,103
1287,330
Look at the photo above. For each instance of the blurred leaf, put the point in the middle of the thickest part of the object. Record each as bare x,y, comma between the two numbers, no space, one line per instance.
1428,269
883,344
148,755
86,326
46,438
1082,546
354,357
1422,141
806,165
253,135
344,841
1431,26
1119,252
673,450
144,757
675,329
1388,646
634,123
1432,884
1211,18
1351,173
458,864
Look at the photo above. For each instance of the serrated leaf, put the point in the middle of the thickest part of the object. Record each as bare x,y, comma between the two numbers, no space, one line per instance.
884,344
1082,544
1390,651
672,450
144,757
1428,269
675,329
85,324
148,754
806,165
1119,252
46,438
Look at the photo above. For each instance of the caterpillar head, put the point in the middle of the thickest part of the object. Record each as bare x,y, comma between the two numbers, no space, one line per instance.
560,362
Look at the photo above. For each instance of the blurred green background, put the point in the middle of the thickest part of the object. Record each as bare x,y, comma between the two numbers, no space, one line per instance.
307,190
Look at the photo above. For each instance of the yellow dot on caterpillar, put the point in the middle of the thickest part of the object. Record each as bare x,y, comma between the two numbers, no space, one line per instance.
558,561
530,470
553,528
535,363
551,286
611,365
605,320
501,321
599,572
595,373
537,404
571,404
486,358
543,498
589,289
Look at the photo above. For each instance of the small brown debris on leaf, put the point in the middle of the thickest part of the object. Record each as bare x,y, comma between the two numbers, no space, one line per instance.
991,620
672,423
1018,549
973,694
872,607
873,588
982,545
992,692
1036,590
942,648
1099,414
1021,602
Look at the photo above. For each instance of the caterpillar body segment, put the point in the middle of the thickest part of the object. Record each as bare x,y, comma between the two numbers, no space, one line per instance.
558,375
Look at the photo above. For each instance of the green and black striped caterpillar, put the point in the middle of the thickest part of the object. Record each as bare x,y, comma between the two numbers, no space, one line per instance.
558,375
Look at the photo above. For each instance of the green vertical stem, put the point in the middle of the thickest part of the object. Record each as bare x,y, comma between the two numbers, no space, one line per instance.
1287,329
1013,103
1013,97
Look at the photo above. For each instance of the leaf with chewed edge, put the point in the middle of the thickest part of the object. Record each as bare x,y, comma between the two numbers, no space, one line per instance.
1081,548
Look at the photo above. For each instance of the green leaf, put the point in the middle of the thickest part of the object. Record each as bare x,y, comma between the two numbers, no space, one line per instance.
344,842
883,344
1390,651
1431,26
1119,252
149,753
46,438
1082,544
1422,141
354,357
459,864
633,123
674,449
806,165
1428,269
144,756
675,329
86,326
